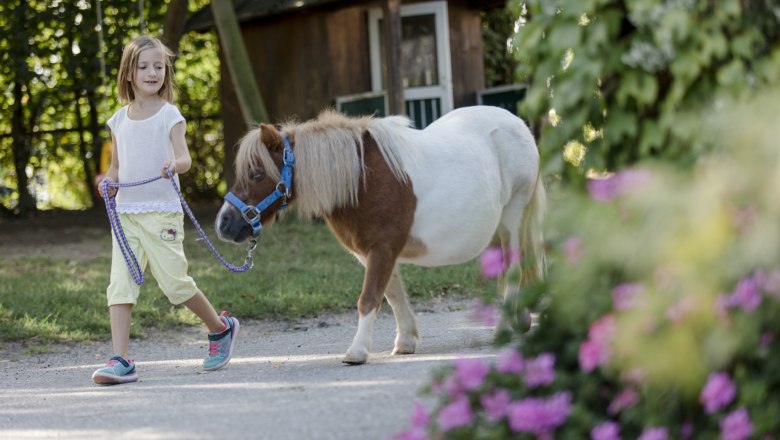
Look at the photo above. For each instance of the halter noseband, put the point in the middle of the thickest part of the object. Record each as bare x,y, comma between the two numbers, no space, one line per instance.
283,191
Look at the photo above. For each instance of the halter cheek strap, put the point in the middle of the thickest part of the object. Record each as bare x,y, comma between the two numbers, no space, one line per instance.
283,191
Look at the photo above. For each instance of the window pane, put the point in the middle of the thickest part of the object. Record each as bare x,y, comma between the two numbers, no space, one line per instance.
419,65
418,51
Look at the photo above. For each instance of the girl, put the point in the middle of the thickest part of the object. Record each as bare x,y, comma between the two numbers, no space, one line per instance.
148,138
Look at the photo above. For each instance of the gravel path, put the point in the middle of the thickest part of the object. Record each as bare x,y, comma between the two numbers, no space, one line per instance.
286,381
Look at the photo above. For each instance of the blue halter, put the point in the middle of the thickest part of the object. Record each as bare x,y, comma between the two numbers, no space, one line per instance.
283,191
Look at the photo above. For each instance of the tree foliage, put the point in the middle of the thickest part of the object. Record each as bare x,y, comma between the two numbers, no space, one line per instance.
616,81
497,32
56,97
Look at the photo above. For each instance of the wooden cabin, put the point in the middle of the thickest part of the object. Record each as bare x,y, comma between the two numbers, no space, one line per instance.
308,55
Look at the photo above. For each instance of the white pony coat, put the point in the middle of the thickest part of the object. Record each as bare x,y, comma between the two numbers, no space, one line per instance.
461,199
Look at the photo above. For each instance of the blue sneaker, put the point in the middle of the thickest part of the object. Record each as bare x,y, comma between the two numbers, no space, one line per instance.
117,370
221,344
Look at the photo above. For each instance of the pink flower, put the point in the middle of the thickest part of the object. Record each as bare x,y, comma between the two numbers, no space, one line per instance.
492,262
606,431
509,361
746,296
452,387
572,248
603,190
625,399
654,434
456,414
602,330
539,416
496,404
596,349
591,355
540,370
420,417
471,372
718,392
626,296
621,183
736,425
484,314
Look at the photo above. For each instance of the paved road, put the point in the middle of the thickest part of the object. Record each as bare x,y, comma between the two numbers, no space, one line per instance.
286,381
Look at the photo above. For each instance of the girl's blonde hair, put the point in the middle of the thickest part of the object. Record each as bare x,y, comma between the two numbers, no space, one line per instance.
129,64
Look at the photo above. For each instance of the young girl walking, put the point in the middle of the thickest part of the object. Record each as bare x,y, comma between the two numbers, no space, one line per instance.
148,138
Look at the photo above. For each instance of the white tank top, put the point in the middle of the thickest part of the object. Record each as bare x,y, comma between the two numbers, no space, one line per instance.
143,147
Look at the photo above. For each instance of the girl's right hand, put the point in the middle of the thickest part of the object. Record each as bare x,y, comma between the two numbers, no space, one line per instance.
111,189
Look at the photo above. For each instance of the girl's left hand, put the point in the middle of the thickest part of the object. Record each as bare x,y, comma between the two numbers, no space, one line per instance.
171,164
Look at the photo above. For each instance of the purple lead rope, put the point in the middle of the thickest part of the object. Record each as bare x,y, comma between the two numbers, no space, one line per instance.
130,259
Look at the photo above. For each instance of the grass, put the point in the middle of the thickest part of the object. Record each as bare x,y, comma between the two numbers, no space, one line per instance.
300,271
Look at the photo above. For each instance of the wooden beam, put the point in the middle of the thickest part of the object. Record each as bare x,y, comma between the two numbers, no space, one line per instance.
392,42
237,60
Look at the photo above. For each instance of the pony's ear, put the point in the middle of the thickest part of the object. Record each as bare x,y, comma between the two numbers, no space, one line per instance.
270,137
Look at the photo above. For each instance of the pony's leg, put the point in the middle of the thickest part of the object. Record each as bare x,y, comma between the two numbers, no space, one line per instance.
379,267
509,236
406,336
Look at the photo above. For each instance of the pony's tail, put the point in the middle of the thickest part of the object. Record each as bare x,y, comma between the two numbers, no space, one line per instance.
531,236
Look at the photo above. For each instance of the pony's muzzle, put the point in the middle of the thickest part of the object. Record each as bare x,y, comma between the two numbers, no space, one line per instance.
231,226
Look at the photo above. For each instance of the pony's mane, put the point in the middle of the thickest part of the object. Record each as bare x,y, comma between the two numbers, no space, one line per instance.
329,155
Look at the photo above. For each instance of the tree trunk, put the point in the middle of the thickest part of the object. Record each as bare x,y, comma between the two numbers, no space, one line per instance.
173,28
237,60
83,150
393,82
21,151
97,137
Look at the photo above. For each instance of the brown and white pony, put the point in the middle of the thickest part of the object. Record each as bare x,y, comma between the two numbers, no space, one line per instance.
393,194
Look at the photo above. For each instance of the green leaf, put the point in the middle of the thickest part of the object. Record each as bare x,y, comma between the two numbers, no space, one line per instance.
732,74
651,138
565,36
685,67
619,124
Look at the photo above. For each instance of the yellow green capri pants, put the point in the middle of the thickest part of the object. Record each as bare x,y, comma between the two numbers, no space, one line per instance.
156,239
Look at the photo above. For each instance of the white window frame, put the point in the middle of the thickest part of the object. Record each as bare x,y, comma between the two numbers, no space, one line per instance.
443,90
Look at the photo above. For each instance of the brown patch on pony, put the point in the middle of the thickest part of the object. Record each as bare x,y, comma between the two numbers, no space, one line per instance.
414,248
377,227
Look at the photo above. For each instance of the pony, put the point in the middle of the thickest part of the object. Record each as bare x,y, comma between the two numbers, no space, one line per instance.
394,195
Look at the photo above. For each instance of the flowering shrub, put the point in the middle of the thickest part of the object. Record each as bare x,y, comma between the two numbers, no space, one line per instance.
660,315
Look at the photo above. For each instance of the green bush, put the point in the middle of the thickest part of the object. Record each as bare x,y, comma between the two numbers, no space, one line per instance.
616,81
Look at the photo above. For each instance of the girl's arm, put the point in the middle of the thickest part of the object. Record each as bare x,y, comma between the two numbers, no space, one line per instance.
183,161
112,175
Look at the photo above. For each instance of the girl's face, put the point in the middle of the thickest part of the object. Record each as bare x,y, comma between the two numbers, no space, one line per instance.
149,76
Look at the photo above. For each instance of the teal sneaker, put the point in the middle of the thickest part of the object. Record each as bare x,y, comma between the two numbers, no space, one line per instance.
117,370
221,344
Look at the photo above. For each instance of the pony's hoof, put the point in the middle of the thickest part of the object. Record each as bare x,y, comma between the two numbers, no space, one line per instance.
405,347
405,343
403,350
355,358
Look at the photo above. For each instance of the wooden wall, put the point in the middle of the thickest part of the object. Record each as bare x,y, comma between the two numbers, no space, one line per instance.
301,65
468,65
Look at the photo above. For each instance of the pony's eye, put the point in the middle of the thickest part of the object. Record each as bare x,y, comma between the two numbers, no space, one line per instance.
257,175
